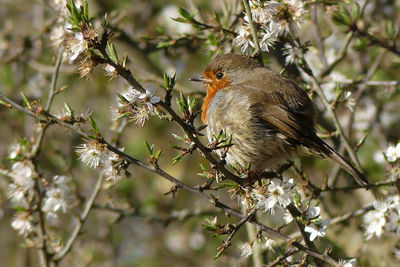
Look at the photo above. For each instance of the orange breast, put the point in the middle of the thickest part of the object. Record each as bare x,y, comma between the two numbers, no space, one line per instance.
212,89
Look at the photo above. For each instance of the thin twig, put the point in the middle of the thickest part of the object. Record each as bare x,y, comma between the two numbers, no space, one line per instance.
253,29
373,40
318,37
341,55
80,221
282,257
295,213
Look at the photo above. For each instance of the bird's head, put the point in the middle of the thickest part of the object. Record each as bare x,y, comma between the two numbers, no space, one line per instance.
222,72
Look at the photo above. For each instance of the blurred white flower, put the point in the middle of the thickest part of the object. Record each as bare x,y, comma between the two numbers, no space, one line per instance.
197,240
57,35
374,221
378,157
313,212
348,263
246,249
269,244
22,223
393,152
365,114
396,253
394,222
173,27
55,201
16,194
15,150
287,217
350,102
22,174
317,229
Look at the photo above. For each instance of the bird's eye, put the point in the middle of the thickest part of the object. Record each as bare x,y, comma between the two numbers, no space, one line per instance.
219,75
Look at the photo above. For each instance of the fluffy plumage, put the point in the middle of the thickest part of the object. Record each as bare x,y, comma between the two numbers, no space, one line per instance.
269,116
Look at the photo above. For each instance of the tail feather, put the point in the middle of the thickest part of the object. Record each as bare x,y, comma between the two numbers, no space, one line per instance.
357,175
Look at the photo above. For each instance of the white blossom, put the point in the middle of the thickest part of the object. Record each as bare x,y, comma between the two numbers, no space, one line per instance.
148,97
313,212
393,152
15,150
22,223
140,116
374,222
296,8
246,249
243,39
112,170
293,54
76,46
268,39
55,201
110,71
317,229
278,193
92,154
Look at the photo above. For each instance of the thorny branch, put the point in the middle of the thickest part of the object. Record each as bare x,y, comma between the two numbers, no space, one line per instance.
155,169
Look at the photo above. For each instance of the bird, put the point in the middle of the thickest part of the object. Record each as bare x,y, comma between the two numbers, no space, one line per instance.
270,117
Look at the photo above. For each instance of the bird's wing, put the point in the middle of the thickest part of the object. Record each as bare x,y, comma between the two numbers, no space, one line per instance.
285,108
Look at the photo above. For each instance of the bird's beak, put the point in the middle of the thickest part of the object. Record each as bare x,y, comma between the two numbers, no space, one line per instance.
199,79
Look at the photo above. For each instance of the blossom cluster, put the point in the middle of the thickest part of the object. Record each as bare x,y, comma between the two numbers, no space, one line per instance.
393,153
24,180
95,154
273,19
135,105
277,194
384,217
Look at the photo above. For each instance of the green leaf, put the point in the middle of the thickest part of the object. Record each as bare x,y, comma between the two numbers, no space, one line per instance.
181,20
94,125
201,127
184,13
86,11
26,101
176,159
68,110
149,148
159,154
112,52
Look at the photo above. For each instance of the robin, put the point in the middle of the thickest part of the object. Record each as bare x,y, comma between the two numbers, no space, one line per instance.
269,116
